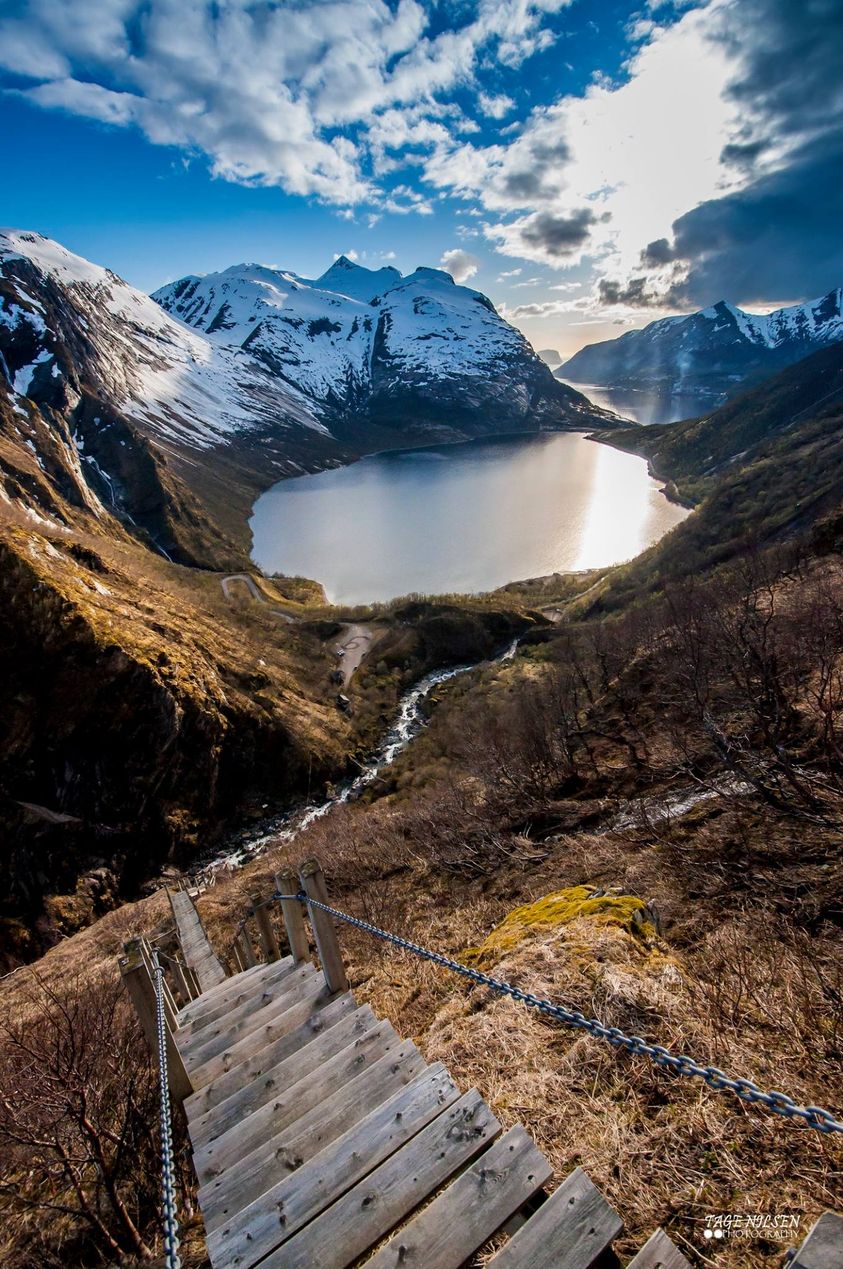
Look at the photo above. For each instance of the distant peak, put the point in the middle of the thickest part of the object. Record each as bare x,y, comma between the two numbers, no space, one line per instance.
719,309
342,264
440,275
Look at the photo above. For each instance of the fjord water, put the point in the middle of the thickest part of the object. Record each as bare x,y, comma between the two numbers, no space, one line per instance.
647,406
464,518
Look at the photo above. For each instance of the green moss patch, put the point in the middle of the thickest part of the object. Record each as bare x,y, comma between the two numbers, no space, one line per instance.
558,909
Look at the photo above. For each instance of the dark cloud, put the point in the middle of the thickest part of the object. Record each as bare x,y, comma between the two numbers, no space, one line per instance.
788,52
743,154
657,253
556,150
637,292
524,186
558,235
778,239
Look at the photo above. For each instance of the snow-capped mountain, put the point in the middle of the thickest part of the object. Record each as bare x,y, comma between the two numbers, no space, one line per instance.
108,401
172,413
714,351
374,344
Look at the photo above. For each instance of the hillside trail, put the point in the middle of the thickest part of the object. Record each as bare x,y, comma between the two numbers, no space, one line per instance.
355,639
251,586
355,642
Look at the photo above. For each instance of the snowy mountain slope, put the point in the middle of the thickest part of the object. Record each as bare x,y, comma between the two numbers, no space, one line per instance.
714,351
171,414
159,373
373,344
113,407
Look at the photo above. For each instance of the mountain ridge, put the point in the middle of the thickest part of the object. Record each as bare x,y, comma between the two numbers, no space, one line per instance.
172,422
714,352
369,341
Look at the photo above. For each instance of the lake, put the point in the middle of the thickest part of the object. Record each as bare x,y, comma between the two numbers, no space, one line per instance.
465,518
646,406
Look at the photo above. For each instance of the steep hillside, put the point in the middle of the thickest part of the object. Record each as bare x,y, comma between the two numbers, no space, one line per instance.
712,352
765,469
694,452
139,713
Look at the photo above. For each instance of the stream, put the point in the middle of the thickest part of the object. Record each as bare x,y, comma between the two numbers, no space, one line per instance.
286,827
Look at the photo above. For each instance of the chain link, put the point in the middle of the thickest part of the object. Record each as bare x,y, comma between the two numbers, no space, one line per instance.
168,1180
779,1103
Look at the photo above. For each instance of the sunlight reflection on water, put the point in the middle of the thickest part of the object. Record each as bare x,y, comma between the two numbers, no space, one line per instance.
461,518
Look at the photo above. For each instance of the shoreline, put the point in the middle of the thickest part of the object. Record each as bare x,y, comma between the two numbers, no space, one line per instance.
492,438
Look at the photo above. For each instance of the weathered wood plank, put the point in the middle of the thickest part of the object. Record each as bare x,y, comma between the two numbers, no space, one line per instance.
274,1083
224,1085
293,915
266,930
659,1252
141,989
282,1024
569,1231
368,1211
219,1036
324,930
247,951
239,1005
823,1248
300,1141
198,953
230,987
279,1213
220,1153
473,1207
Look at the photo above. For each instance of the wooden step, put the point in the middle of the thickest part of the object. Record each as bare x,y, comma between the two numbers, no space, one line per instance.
823,1248
276,1082
195,945
569,1231
472,1208
233,984
288,1150
282,1024
231,1004
214,1039
238,1076
213,1156
659,1253
362,1216
283,1210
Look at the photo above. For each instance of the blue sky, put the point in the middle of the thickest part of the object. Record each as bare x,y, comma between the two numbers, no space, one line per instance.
589,164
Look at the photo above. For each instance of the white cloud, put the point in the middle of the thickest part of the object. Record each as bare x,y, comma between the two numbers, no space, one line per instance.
262,86
461,265
604,174
496,107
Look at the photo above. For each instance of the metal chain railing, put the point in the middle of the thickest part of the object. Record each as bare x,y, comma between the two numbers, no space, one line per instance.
168,1180
779,1103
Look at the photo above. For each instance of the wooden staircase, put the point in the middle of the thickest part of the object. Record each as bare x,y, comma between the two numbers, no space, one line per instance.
322,1139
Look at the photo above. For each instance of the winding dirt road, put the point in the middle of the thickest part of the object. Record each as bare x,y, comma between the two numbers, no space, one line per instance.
251,586
352,646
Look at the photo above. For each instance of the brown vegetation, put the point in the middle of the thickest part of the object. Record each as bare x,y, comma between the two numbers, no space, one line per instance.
686,754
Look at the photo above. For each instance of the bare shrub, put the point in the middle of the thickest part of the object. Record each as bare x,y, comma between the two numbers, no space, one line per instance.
77,1129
